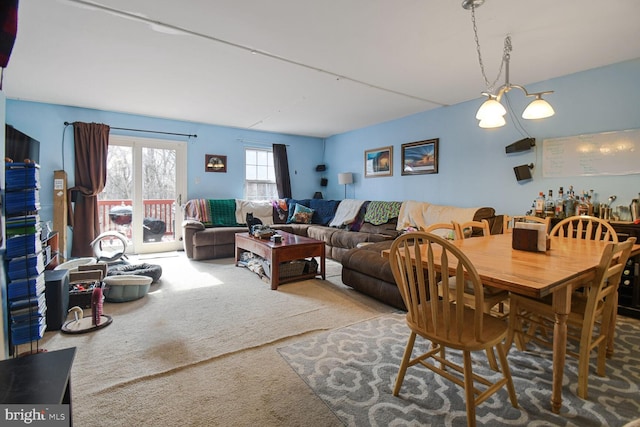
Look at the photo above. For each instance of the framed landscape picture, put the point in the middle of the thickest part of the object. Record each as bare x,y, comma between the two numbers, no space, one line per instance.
420,157
378,162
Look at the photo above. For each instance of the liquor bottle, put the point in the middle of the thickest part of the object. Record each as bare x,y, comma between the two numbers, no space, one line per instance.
539,209
595,203
560,207
581,206
549,206
588,200
570,204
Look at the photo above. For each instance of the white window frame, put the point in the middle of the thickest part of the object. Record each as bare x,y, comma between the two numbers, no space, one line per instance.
260,177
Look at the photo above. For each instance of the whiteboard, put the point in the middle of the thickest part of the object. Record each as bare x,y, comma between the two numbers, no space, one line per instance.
608,153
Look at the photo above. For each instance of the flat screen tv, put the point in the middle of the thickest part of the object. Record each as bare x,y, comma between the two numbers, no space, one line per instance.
20,146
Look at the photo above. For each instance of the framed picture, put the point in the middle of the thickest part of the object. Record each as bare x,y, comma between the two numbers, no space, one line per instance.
215,163
420,157
378,162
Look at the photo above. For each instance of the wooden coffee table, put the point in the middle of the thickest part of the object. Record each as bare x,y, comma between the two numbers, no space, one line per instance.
292,247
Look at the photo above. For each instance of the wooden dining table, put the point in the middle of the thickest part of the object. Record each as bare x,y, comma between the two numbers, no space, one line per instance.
568,264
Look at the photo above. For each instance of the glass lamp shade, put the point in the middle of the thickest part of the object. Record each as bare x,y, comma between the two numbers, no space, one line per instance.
490,109
492,122
538,109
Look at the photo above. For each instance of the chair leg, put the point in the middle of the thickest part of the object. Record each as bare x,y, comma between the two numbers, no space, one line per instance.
502,354
468,389
405,363
492,360
612,326
586,340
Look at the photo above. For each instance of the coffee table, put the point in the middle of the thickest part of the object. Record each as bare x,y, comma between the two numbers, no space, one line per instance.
291,248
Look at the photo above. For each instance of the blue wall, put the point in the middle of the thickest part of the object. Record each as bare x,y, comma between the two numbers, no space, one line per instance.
474,169
45,122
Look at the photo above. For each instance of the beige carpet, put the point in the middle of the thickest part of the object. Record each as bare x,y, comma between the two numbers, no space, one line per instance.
201,349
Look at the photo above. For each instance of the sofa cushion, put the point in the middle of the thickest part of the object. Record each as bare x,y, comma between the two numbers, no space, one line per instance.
388,228
369,261
301,214
324,210
263,210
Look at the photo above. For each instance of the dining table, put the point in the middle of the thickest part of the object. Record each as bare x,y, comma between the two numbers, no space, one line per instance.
568,264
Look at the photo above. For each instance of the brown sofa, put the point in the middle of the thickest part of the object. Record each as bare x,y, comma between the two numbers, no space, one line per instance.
365,270
201,242
359,252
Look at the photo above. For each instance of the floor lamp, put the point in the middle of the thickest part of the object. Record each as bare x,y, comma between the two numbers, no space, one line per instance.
344,179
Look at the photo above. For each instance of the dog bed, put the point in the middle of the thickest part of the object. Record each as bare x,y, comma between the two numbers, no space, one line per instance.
153,271
127,287
73,264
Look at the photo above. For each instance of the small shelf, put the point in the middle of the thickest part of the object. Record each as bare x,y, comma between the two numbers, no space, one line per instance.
51,248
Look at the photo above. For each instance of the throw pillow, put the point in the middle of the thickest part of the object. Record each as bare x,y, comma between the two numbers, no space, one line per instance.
302,214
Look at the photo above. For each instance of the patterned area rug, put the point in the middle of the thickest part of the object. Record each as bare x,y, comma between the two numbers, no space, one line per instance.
353,371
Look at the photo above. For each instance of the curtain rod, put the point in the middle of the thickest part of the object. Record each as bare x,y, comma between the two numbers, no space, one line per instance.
148,131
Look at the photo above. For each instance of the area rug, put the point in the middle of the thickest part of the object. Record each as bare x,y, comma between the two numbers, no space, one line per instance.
353,370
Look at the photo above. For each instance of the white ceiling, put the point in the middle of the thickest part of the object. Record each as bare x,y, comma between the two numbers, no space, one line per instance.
318,68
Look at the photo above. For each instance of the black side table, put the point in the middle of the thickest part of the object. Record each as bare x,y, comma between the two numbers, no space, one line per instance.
41,378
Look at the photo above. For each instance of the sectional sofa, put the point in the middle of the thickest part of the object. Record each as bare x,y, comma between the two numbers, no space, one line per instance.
354,231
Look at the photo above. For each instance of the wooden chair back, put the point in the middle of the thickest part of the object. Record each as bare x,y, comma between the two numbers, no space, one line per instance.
442,229
468,229
509,221
418,276
585,227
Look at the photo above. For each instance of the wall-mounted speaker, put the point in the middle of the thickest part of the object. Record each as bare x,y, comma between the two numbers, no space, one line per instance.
522,145
523,172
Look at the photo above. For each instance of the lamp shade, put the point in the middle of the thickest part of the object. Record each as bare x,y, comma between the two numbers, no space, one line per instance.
345,178
538,109
489,109
490,123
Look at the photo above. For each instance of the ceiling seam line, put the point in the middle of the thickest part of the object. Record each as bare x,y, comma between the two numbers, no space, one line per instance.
135,17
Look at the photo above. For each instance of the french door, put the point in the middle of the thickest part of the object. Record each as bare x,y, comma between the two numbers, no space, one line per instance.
143,194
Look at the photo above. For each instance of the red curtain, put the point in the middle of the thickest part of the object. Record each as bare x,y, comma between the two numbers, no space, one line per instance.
91,149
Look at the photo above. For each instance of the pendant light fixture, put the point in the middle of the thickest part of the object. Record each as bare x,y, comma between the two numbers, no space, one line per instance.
491,113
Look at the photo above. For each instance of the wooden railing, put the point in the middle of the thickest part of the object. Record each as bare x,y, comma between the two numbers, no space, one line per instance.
158,209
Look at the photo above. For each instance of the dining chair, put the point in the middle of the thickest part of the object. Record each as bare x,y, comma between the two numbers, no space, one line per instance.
585,227
446,230
416,259
589,228
492,296
598,302
472,228
508,221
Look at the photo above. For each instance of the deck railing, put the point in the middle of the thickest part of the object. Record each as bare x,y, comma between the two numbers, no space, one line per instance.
158,209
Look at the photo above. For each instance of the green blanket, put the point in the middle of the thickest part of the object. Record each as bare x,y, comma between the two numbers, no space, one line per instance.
223,212
379,212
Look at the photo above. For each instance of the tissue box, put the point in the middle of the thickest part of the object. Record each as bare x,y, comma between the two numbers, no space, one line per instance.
530,237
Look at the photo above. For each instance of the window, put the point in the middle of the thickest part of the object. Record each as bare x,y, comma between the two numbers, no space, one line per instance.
260,176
